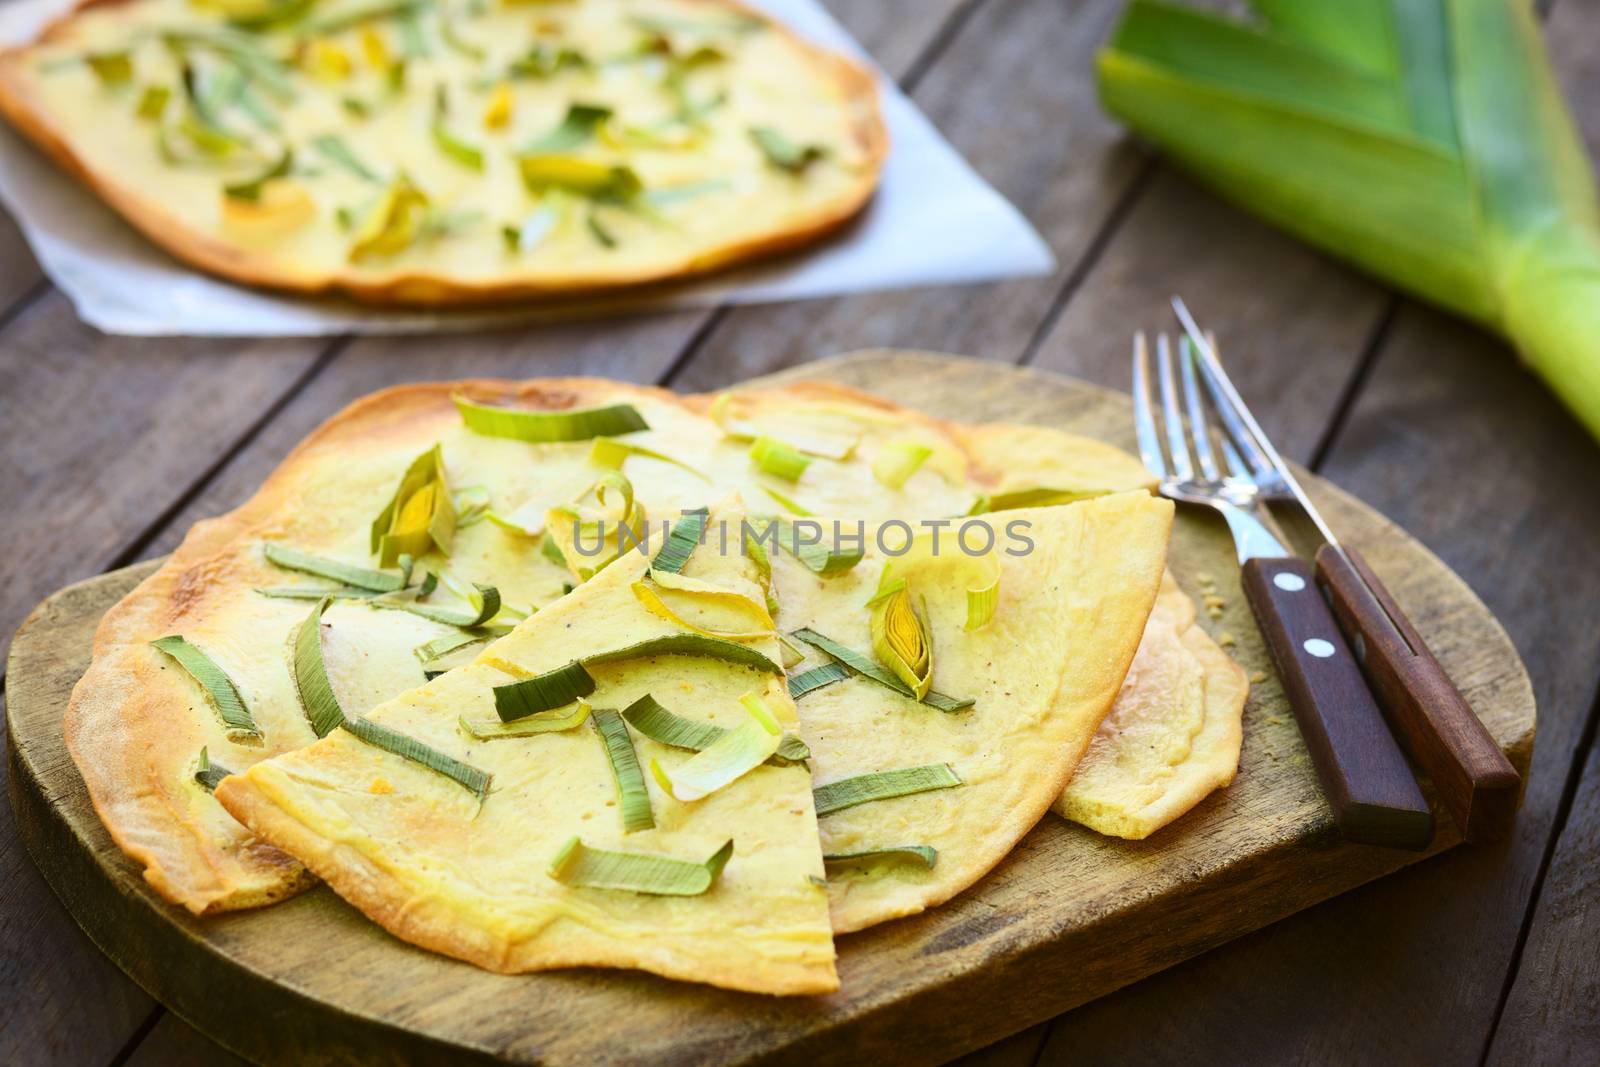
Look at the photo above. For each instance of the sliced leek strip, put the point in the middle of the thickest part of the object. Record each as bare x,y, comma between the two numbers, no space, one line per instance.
633,796
610,452
923,554
538,427
577,129
883,785
468,155
449,652
897,461
421,514
727,759
216,684
794,653
472,505
317,592
752,548
347,15
324,714
586,177
208,774
250,189
486,728
778,459
553,689
867,668
636,872
681,542
334,149
153,102
783,153
818,558
690,645
112,68
448,34
485,601
470,778
361,577
926,855
811,680
654,721
657,592
902,640
790,504
532,231
392,224
1032,498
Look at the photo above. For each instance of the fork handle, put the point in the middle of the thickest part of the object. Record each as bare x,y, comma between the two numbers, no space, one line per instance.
1364,776
1476,782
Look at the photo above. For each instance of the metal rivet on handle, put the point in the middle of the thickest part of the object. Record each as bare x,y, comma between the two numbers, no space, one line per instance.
1319,648
1289,583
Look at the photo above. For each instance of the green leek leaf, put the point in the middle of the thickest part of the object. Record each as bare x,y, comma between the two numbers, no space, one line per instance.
420,516
336,151
654,721
486,601
324,713
541,427
636,872
864,666
484,728
208,774
778,459
344,16
926,855
295,560
784,153
543,60
732,755
112,68
883,785
576,130
810,681
681,542
586,177
696,645
896,462
632,794
449,35
218,686
1425,141
468,155
553,689
153,102
250,189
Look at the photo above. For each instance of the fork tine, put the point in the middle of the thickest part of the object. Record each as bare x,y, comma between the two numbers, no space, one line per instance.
1235,462
1247,452
1144,417
1199,424
1182,464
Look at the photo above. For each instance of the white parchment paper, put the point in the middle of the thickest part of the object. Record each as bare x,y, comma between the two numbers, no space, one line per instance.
932,222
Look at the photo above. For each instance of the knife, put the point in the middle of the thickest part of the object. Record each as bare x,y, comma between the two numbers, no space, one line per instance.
1425,710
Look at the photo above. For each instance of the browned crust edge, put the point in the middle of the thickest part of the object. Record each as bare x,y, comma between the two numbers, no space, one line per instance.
420,288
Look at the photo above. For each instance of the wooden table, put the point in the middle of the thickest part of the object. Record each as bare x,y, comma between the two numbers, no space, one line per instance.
111,447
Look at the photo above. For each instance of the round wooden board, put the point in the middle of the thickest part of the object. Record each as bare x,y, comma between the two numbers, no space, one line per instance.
1067,917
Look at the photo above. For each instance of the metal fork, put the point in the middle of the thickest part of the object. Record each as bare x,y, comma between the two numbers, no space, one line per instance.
1368,784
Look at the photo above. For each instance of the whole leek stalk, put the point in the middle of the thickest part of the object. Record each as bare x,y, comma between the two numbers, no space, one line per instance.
1425,141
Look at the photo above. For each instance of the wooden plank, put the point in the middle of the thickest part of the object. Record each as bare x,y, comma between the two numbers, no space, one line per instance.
1015,94
103,434
1291,322
1550,1016
20,276
633,348
64,1003
1066,917
174,1043
1465,449
1550,1012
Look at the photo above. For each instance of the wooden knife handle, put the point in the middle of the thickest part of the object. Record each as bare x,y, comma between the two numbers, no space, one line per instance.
1476,782
1364,775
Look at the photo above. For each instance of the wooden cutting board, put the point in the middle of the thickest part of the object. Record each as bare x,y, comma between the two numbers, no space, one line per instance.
1069,916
